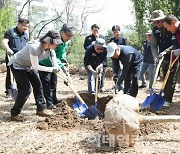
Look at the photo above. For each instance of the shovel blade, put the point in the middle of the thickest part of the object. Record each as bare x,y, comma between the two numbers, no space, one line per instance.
13,92
79,108
157,103
94,112
84,111
148,99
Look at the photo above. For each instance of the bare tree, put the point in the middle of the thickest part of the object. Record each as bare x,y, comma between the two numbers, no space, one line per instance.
86,11
24,5
67,13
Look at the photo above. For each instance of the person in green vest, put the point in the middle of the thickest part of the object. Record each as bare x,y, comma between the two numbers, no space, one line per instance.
49,80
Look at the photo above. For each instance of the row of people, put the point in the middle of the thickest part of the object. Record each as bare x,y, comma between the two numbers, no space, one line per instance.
160,38
40,55
45,55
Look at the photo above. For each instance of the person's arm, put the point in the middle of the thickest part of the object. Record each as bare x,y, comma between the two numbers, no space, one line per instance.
154,46
115,66
5,42
54,59
176,52
87,58
61,55
36,66
125,42
85,43
89,67
126,66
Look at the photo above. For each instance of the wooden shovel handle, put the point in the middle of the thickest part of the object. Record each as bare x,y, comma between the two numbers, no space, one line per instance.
11,74
159,65
171,63
96,90
63,77
159,119
157,71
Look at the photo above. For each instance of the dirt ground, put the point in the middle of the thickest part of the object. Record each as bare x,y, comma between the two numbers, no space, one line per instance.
66,132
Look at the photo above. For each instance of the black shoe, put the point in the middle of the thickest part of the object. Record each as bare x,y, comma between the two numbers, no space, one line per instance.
52,106
142,86
57,102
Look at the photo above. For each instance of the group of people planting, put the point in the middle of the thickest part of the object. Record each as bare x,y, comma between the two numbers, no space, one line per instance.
36,63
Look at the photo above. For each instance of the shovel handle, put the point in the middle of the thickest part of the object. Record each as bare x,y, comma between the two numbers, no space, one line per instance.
169,70
159,119
63,77
159,64
11,74
157,71
96,90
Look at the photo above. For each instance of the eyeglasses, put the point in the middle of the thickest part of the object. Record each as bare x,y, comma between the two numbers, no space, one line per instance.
69,35
99,49
157,22
25,25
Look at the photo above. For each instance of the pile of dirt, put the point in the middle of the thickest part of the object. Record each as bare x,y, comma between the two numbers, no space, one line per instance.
149,128
66,118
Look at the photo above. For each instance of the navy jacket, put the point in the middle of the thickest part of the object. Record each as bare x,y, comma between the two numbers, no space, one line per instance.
89,39
115,62
164,40
93,58
17,41
148,57
129,57
119,41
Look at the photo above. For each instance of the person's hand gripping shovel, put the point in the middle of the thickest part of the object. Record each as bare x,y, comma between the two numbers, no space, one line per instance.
159,101
80,106
149,99
97,83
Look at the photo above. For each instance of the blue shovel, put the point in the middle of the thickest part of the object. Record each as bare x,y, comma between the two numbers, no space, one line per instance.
80,106
13,92
150,98
159,101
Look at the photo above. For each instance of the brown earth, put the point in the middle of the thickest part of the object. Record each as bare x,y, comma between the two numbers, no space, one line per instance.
66,132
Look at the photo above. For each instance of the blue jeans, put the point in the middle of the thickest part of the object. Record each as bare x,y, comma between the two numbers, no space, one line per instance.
145,66
91,81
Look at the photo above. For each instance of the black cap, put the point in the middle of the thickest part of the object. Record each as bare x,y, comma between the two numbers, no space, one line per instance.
52,37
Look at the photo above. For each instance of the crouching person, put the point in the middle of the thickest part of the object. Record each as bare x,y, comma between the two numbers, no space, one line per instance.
131,60
95,57
24,66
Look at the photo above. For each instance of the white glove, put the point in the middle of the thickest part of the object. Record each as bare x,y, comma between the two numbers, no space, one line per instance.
162,54
10,52
56,70
176,52
99,68
94,73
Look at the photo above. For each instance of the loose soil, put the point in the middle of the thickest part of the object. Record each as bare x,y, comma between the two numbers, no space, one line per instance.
66,132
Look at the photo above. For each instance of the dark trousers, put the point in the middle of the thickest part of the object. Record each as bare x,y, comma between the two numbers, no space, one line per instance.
8,78
131,80
24,81
171,82
102,78
49,82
